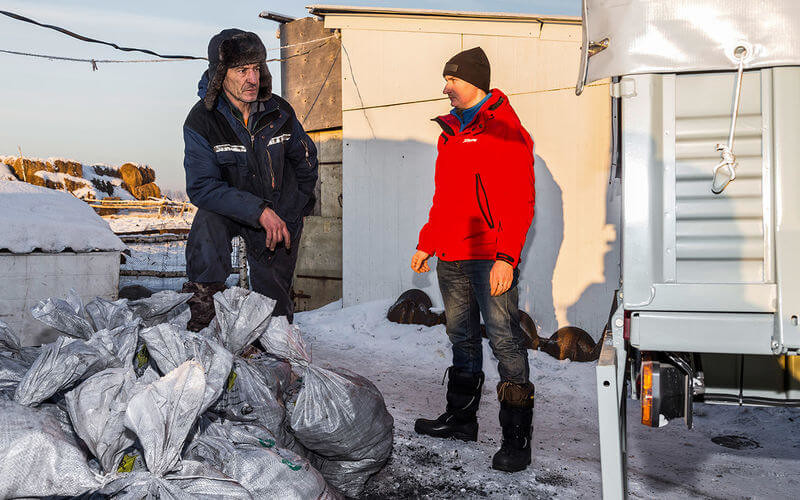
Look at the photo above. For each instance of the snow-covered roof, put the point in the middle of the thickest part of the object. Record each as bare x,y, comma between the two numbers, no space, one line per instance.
37,218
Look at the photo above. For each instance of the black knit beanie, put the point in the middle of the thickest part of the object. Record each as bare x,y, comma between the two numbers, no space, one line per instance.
231,48
471,66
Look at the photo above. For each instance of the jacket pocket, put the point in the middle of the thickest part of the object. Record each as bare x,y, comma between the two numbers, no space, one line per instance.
483,201
233,167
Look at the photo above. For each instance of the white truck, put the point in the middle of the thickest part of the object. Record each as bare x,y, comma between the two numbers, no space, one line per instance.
706,119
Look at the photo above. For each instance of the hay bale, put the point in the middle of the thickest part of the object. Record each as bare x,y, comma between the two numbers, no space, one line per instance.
69,167
75,184
131,175
148,174
25,168
146,191
51,184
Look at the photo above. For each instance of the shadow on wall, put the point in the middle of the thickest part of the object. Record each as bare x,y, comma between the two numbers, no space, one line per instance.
542,246
599,296
388,187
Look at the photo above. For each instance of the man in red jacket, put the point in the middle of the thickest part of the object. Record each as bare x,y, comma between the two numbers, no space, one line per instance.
482,209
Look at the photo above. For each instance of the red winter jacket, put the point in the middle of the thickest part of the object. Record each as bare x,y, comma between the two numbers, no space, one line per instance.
484,197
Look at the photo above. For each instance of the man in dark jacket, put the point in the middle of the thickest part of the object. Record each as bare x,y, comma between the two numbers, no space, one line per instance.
251,171
482,209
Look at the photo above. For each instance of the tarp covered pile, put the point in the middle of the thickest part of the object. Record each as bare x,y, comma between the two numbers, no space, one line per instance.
129,404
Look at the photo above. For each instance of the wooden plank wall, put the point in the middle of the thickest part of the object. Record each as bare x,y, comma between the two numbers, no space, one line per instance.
311,78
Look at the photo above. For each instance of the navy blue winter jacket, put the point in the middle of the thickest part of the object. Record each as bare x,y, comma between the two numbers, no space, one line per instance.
236,171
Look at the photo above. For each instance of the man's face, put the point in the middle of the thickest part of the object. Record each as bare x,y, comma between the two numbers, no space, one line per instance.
461,93
241,83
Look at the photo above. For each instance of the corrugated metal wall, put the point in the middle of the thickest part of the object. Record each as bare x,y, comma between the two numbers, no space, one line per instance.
392,87
719,238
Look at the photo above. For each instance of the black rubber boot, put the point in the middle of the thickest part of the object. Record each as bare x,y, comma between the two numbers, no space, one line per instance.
459,420
516,419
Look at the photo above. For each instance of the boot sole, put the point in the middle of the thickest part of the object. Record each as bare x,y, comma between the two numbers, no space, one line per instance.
511,469
461,436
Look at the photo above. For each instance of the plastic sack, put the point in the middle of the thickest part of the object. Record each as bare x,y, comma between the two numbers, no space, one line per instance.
9,342
242,316
248,397
258,464
169,346
36,458
66,361
12,366
12,347
284,340
97,411
163,412
165,306
11,373
107,315
342,417
66,316
337,414
277,373
161,416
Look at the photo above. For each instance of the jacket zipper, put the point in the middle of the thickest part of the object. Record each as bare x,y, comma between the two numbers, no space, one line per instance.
253,148
478,189
271,172
305,146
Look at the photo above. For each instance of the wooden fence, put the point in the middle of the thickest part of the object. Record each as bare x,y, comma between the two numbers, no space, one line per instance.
149,204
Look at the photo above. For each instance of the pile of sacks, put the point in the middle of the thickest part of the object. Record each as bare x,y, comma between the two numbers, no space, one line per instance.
129,404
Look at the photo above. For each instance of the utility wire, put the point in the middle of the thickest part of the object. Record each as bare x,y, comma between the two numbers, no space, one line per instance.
92,40
95,62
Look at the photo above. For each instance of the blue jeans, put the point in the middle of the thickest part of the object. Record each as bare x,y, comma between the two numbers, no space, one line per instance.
466,292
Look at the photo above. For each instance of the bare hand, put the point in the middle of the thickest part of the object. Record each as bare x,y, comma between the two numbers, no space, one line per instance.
419,262
500,277
275,228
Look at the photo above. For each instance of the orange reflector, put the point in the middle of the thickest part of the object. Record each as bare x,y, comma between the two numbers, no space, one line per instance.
647,393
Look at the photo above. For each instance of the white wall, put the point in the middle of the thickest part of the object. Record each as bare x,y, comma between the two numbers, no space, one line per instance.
391,85
28,278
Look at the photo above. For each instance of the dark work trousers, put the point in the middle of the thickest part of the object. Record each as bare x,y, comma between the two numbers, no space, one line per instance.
466,292
208,258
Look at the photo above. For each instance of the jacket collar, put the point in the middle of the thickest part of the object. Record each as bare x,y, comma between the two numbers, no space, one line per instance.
259,111
451,124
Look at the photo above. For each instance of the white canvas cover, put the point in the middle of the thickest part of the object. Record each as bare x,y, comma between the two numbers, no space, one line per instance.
674,36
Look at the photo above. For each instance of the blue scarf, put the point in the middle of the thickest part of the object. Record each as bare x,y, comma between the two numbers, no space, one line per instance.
468,114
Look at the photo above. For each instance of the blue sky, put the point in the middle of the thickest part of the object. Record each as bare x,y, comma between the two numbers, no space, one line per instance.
135,112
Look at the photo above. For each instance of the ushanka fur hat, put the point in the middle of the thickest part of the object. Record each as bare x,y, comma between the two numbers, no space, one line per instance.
231,48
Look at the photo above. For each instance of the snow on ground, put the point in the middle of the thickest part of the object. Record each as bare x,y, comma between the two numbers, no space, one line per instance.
407,363
35,217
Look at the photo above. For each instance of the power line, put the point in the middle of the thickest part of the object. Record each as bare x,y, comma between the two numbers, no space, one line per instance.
95,62
92,40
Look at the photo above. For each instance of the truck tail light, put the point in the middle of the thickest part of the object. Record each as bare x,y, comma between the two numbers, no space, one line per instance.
647,394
